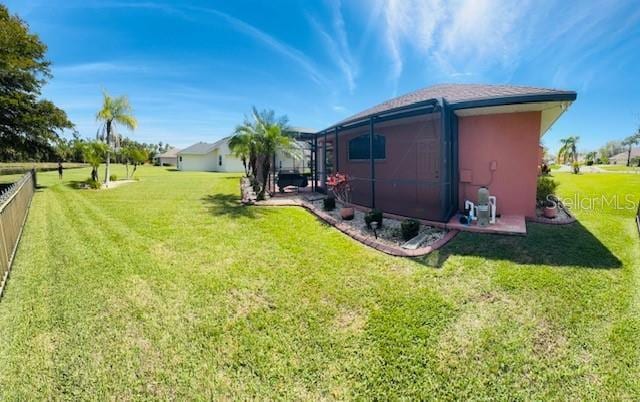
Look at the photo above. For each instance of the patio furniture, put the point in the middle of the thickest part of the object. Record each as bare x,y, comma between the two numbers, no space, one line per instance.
286,179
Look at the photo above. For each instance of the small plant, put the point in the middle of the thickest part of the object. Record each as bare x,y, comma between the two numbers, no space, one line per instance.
340,187
409,229
546,187
94,184
374,215
576,167
113,177
545,169
329,203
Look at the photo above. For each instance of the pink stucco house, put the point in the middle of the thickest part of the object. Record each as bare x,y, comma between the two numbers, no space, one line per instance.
424,153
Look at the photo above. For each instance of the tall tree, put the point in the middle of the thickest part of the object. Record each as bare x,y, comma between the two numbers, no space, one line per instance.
28,125
569,150
114,111
629,142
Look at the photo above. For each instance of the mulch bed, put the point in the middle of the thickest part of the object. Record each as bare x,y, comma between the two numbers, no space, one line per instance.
389,233
563,216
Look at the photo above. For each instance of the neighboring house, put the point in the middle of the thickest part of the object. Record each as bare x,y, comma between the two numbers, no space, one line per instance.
208,157
169,158
424,153
217,157
302,163
621,158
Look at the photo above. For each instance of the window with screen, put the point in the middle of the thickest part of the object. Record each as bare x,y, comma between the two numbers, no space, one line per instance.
359,147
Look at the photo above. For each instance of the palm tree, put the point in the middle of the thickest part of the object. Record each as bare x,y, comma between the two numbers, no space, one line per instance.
591,156
569,149
264,135
114,111
92,153
242,145
273,138
630,142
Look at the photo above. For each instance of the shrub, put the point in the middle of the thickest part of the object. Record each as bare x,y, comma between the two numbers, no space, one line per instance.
374,215
329,203
409,228
545,169
94,184
113,177
576,167
546,186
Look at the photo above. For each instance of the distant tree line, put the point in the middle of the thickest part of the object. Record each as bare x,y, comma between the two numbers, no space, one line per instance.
568,152
73,149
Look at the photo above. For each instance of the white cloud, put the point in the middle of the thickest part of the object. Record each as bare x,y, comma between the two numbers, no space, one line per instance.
409,23
99,67
462,38
347,62
289,52
482,33
337,45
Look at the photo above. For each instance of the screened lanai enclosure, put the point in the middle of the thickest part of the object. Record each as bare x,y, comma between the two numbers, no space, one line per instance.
425,153
399,163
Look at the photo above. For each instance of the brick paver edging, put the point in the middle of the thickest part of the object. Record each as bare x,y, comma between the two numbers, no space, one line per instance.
357,235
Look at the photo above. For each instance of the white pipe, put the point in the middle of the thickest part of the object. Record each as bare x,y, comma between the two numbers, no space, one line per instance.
471,207
492,202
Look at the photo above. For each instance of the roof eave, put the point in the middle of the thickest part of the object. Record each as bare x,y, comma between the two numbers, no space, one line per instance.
363,119
567,96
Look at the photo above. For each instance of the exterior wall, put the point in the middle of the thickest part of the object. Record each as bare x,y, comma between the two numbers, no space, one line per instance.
408,179
229,162
510,140
167,160
203,163
210,162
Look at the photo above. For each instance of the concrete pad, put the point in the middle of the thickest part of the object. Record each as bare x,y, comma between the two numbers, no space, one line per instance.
508,224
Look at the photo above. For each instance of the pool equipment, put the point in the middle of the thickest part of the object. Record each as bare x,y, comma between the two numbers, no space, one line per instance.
485,210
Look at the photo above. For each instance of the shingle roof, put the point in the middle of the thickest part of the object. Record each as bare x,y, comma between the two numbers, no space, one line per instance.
202,148
455,93
303,130
622,156
198,148
171,153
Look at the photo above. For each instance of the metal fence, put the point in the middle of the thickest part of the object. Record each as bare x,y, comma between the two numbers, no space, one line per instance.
14,205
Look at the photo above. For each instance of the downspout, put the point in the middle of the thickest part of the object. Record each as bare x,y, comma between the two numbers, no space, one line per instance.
445,184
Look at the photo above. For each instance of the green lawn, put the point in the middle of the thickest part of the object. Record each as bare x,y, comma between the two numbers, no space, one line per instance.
168,289
619,168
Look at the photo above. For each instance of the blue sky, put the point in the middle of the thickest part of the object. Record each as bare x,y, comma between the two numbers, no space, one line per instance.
193,69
